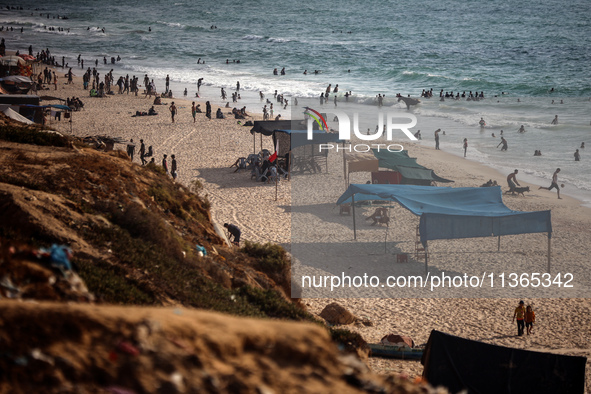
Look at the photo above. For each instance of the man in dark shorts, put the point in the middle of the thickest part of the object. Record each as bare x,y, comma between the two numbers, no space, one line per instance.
130,149
173,169
234,232
512,180
554,183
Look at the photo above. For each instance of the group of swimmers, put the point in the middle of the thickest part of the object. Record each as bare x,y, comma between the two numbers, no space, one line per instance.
470,96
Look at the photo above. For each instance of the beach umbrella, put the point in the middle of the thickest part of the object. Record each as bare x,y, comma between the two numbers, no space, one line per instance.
12,61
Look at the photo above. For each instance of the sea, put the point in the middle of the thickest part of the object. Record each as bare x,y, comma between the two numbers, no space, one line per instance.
532,61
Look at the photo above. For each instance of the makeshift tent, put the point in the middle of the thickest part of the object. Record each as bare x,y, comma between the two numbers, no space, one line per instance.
309,157
6,110
289,139
17,84
462,364
267,127
450,213
411,172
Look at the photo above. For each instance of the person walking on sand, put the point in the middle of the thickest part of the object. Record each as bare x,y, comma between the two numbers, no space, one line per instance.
577,155
520,316
465,146
512,181
530,319
143,152
130,149
165,164
437,138
173,169
193,111
208,110
172,109
554,183
504,143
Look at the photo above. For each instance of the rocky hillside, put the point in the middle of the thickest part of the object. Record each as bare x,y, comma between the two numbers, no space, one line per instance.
104,234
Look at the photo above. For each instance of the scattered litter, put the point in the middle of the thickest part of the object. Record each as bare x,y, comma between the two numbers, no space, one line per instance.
119,390
58,255
37,354
201,251
128,348
11,290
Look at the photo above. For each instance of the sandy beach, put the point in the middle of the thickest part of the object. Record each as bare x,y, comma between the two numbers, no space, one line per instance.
206,149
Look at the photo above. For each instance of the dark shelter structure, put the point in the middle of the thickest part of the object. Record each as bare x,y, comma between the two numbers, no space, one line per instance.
462,364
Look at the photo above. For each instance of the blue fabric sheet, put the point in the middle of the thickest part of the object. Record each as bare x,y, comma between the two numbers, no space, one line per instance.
449,213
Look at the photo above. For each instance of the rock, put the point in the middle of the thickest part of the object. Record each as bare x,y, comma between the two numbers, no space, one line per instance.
336,314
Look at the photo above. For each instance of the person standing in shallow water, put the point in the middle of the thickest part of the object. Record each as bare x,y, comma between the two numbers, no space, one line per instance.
465,146
437,138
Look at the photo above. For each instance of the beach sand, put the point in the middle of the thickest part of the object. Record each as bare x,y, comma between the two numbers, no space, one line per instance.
206,149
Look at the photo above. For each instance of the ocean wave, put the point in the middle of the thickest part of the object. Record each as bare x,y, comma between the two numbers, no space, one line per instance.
252,37
171,24
279,40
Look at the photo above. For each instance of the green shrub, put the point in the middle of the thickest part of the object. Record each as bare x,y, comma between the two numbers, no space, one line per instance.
110,284
272,304
270,258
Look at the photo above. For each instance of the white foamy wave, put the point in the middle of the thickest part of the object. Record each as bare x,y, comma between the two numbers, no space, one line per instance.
63,33
171,24
279,40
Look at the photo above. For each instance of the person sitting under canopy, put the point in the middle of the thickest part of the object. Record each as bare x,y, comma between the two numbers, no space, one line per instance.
380,216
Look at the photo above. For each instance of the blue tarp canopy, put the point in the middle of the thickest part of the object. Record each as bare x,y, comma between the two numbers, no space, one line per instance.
58,106
449,213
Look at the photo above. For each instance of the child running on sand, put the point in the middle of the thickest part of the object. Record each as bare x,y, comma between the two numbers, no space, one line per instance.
530,319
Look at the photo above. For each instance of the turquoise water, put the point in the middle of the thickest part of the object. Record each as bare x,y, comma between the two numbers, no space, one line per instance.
521,49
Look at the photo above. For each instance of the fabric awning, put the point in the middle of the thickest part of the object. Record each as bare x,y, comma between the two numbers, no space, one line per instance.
449,213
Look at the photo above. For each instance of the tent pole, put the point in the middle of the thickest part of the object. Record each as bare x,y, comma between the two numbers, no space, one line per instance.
344,166
354,226
549,251
499,244
386,239
290,163
254,143
426,259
